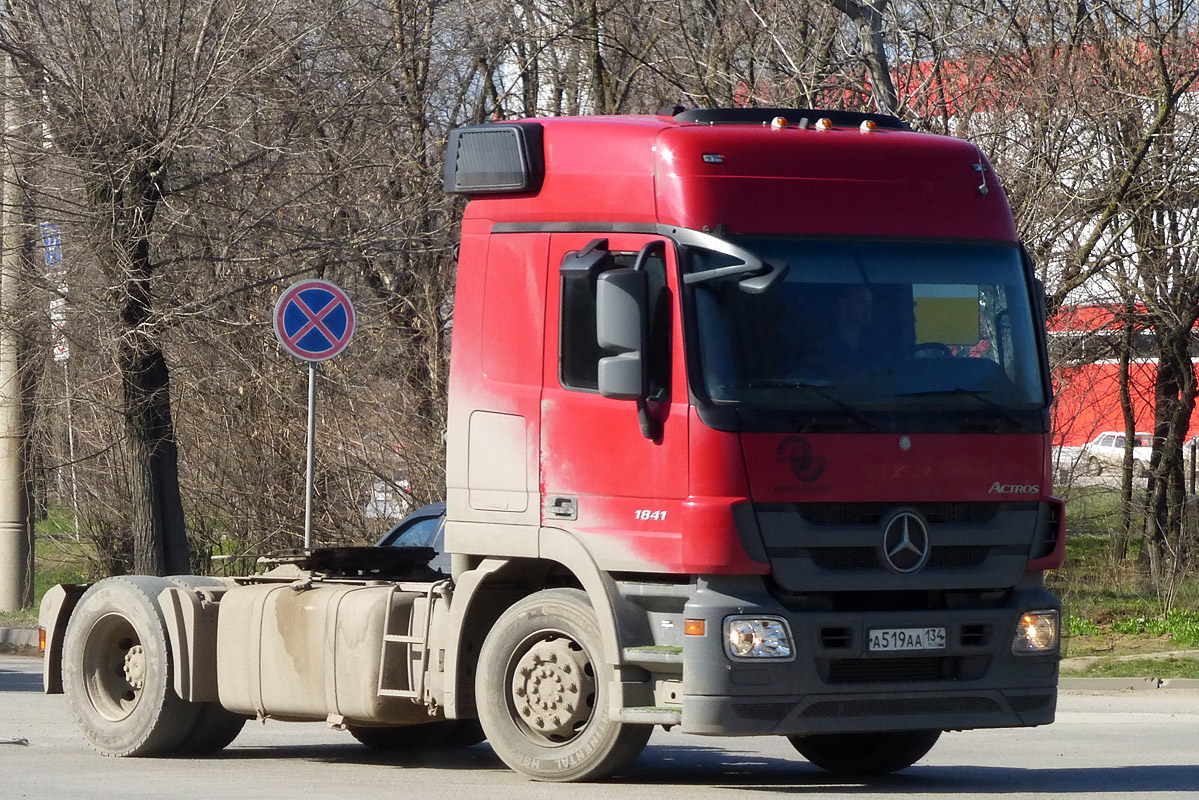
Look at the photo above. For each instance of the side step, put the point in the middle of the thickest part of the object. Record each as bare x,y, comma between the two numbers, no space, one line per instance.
650,715
655,658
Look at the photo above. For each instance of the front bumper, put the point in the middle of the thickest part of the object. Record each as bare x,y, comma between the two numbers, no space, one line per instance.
834,685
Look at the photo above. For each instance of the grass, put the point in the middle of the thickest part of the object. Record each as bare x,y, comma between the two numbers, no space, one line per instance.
58,558
1115,621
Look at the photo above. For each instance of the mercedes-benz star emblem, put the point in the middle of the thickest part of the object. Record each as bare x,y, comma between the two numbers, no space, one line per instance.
905,542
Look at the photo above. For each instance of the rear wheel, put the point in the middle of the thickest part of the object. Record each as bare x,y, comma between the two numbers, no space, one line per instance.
215,729
117,671
543,695
874,753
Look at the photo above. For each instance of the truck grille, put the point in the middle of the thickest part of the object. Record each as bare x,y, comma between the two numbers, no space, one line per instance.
872,513
881,670
837,547
849,558
906,669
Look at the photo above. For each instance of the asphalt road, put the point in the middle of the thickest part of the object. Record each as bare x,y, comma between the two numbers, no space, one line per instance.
1128,744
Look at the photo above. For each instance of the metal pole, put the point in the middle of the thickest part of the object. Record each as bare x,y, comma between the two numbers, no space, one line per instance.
16,545
66,380
311,471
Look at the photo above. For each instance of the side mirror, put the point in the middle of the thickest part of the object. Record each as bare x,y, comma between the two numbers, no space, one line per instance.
621,323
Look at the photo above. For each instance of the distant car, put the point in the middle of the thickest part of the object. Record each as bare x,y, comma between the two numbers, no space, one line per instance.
1106,452
424,527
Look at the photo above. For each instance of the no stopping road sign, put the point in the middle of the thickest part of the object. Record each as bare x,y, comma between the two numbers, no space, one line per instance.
314,320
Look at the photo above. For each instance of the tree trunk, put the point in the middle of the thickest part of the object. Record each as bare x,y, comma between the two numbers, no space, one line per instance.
867,15
1119,548
160,545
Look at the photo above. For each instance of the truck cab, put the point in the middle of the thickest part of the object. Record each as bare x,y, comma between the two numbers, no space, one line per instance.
778,378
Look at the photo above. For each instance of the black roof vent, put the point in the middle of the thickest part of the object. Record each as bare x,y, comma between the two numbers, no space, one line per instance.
795,116
495,159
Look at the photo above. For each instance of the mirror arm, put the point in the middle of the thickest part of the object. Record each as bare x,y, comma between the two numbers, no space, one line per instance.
651,427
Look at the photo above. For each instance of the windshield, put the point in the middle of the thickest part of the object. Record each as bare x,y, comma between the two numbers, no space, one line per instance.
871,326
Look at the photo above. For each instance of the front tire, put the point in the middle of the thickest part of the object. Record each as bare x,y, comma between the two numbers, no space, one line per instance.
117,671
543,694
865,753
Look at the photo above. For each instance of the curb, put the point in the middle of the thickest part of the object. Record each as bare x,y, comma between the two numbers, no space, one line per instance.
1126,684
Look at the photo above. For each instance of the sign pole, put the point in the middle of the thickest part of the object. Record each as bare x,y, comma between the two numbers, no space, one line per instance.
314,321
310,478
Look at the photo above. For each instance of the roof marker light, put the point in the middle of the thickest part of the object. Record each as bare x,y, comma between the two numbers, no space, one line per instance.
868,126
778,123
824,124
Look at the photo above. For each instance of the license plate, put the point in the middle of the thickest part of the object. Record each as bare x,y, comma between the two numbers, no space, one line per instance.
883,639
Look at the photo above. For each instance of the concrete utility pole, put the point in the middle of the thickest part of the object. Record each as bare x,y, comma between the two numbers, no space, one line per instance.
16,543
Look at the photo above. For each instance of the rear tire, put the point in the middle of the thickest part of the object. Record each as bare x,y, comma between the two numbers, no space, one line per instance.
117,670
865,753
215,729
542,692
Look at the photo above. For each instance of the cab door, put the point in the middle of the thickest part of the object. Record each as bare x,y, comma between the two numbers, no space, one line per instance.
603,480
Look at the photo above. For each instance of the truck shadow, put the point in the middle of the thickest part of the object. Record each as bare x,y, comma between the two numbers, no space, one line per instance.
713,767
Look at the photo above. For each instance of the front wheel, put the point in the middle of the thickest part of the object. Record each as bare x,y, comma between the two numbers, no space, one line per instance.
865,753
543,693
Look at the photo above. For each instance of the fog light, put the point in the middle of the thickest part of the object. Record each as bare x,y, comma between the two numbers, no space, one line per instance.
1037,632
753,637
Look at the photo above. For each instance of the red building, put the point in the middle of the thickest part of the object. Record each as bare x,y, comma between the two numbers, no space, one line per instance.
1087,379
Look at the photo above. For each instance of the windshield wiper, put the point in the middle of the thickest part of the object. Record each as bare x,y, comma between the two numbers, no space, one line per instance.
1003,411
816,386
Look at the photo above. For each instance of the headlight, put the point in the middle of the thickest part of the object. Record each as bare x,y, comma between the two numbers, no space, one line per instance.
1037,632
754,637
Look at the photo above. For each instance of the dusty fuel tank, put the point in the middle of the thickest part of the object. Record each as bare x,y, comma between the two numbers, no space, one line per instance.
308,653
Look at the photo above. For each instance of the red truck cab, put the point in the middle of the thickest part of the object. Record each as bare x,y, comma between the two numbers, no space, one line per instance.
783,373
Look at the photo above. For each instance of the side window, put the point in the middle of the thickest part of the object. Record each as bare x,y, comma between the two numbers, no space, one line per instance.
580,351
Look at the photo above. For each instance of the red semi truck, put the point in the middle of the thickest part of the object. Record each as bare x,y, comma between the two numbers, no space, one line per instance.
748,435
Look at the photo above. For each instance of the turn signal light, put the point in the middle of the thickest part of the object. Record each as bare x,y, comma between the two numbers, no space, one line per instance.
693,627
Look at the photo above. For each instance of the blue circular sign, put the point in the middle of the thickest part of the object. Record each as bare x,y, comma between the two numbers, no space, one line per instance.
314,320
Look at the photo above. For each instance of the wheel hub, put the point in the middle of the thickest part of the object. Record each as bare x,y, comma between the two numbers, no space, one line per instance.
552,688
135,667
